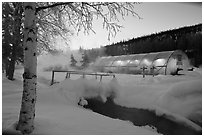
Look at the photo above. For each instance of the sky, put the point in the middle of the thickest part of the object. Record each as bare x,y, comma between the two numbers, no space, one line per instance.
156,17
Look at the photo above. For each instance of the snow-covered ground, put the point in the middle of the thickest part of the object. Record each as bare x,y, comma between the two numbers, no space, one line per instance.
57,112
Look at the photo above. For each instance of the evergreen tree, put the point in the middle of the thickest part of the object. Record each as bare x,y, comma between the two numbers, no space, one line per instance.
73,61
85,60
6,35
12,50
17,38
81,49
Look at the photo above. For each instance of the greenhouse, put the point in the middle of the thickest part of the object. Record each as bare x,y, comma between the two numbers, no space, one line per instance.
167,62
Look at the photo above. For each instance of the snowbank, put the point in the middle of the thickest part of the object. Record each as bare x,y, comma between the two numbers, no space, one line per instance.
185,99
181,101
57,112
73,90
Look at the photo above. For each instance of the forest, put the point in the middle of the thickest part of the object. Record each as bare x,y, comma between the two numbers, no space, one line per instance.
187,39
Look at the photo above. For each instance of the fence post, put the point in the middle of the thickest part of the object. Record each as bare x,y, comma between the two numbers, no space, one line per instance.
143,71
66,76
101,78
52,81
83,75
153,67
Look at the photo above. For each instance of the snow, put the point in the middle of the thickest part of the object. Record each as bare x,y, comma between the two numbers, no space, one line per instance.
179,97
185,95
57,110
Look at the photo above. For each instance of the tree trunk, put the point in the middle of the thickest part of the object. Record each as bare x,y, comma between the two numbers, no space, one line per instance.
11,67
6,66
11,64
27,112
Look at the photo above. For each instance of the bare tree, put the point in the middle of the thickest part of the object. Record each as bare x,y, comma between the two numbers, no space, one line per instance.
50,25
80,16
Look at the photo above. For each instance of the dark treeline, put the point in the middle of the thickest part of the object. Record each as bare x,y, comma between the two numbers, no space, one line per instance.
12,37
187,39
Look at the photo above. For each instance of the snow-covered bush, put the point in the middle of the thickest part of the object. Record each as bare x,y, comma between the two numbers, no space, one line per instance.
74,90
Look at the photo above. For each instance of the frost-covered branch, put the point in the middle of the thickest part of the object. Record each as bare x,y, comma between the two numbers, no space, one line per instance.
80,15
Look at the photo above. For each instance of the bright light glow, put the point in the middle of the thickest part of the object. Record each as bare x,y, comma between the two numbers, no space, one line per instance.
126,62
120,63
134,62
146,62
159,62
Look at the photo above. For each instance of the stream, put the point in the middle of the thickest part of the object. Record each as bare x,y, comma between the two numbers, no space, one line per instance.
139,117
